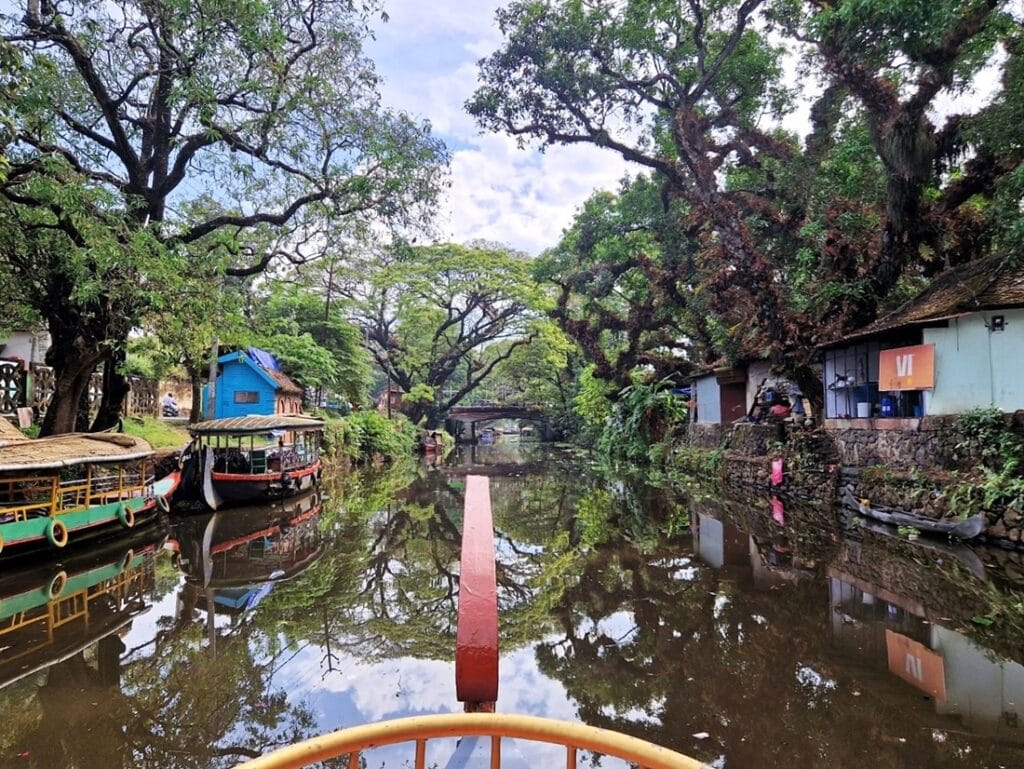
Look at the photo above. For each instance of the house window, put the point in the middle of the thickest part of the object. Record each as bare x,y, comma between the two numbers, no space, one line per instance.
247,396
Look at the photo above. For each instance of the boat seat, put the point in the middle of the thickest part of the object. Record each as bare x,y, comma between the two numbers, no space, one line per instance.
258,460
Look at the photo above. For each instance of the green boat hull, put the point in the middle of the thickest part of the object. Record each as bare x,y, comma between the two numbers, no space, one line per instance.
35,529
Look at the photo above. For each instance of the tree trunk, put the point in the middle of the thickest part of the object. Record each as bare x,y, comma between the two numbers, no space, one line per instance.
195,379
71,383
115,389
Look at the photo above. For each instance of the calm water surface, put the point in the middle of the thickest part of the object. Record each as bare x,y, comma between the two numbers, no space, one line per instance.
745,634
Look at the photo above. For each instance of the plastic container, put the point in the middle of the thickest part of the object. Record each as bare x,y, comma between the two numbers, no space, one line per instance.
863,410
887,406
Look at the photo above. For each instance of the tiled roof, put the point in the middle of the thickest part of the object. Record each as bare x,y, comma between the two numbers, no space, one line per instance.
283,382
987,284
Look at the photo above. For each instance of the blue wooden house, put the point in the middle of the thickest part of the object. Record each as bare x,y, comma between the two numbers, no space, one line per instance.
245,387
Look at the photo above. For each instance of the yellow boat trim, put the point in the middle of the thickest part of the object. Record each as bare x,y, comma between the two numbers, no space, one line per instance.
572,736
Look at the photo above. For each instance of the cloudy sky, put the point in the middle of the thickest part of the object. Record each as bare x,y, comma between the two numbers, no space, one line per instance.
427,54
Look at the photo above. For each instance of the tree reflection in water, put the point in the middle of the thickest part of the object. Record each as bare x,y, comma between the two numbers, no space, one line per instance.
652,615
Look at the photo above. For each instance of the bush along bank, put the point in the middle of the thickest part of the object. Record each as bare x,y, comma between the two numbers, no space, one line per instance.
364,437
978,470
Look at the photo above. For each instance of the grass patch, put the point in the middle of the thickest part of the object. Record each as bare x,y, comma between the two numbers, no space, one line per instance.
159,434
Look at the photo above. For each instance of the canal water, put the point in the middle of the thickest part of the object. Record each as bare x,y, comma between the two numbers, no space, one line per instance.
749,633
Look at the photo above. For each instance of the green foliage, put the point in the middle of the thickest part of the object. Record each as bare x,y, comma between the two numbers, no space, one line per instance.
910,532
113,164
593,402
986,436
316,345
623,276
641,421
364,436
442,316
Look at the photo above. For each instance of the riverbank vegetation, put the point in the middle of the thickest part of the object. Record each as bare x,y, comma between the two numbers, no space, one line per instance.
368,436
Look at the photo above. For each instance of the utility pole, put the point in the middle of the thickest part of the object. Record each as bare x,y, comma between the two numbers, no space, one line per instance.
211,401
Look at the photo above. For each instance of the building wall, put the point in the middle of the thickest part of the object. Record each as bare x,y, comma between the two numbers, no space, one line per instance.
239,377
709,403
288,403
975,367
26,346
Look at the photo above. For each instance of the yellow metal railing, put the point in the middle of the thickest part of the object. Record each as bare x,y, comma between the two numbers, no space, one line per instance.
54,497
420,729
43,487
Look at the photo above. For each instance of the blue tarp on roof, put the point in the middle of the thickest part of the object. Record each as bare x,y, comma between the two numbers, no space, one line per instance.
264,359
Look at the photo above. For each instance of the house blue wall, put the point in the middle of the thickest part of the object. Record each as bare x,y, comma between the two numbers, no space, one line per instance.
709,399
240,375
975,367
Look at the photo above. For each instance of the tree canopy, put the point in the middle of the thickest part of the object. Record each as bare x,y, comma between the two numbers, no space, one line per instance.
430,313
793,242
207,130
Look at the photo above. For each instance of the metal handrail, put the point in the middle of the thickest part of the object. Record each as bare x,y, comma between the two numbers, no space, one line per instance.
419,729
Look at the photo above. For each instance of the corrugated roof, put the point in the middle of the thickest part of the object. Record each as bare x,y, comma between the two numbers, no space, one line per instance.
987,284
71,449
255,424
283,382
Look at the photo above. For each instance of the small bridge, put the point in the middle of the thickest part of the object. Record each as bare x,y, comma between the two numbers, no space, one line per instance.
490,411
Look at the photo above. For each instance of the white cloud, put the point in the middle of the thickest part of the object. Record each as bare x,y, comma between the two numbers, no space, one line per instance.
427,55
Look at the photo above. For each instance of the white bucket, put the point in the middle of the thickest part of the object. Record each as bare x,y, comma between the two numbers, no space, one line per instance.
863,410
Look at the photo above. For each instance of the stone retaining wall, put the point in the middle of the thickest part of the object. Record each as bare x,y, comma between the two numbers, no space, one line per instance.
905,443
706,436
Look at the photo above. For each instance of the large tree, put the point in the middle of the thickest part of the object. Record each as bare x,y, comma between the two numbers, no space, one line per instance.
429,313
695,91
269,109
626,278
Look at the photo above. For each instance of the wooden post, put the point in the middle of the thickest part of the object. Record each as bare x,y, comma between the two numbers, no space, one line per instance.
476,638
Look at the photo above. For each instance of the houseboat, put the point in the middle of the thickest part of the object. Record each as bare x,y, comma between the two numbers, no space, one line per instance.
57,490
249,459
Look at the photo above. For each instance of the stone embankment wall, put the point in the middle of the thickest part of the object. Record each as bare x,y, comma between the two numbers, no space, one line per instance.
931,442
906,466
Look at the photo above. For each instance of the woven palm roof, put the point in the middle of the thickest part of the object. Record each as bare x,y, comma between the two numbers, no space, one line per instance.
9,432
987,284
252,425
71,449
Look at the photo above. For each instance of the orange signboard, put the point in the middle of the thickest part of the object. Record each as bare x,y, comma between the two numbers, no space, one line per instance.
916,664
907,368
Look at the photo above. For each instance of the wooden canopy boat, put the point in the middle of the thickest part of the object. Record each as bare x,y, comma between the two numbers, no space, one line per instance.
239,460
53,489
969,528
486,735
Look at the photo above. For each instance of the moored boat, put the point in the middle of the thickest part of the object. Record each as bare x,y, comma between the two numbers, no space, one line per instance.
53,490
240,460
968,528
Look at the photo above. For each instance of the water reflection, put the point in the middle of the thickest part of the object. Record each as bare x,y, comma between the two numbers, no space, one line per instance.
749,633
